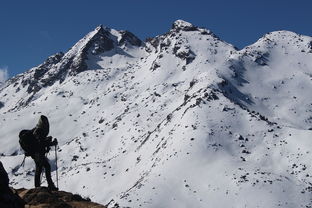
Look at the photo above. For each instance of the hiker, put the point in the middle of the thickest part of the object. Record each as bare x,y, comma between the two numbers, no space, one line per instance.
8,199
40,145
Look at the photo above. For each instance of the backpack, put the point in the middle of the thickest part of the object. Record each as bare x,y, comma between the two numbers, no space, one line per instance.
28,142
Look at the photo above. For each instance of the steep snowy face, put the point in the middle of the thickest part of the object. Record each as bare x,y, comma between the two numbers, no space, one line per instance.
181,120
30,85
274,74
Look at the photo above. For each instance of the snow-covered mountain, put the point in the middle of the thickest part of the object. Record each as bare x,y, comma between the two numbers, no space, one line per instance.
180,120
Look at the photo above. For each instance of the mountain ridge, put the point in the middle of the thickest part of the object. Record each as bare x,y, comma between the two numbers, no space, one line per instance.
182,119
176,26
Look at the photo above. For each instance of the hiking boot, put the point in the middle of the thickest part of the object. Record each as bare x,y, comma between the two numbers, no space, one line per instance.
52,187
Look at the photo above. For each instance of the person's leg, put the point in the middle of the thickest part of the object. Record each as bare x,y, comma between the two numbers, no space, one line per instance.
38,172
47,168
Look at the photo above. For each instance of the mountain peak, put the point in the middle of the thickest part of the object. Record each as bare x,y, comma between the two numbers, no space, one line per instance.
99,27
183,25
283,39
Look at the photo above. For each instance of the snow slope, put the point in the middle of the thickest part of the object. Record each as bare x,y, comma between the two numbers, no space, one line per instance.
180,120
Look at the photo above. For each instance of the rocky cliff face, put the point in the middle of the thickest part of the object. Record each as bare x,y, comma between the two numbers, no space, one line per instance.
182,119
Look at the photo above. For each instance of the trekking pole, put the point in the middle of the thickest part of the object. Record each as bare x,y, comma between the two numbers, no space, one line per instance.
23,163
56,166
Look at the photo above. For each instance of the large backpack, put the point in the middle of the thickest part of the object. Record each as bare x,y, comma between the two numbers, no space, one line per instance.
28,142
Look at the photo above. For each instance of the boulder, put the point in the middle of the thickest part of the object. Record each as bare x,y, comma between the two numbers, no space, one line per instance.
8,197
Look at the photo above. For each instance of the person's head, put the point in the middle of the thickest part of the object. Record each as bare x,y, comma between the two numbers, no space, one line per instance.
44,119
43,126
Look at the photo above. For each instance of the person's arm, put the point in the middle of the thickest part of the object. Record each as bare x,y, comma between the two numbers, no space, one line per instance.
43,140
51,142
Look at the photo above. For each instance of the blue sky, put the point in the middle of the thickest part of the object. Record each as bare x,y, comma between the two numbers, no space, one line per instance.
32,30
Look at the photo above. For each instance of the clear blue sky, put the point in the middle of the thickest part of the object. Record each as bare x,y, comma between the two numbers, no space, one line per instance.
32,30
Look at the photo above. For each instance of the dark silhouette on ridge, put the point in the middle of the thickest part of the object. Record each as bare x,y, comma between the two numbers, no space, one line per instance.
36,143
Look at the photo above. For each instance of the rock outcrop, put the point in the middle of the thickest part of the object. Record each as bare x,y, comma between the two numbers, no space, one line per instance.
40,197
8,197
43,198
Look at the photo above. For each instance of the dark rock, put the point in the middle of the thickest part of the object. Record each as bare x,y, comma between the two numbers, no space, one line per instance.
75,158
192,83
245,152
42,197
211,96
169,117
154,66
4,179
128,37
101,120
241,137
187,55
156,94
154,41
184,26
310,46
262,59
43,68
8,198
189,59
198,101
115,125
34,83
186,97
77,197
164,44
